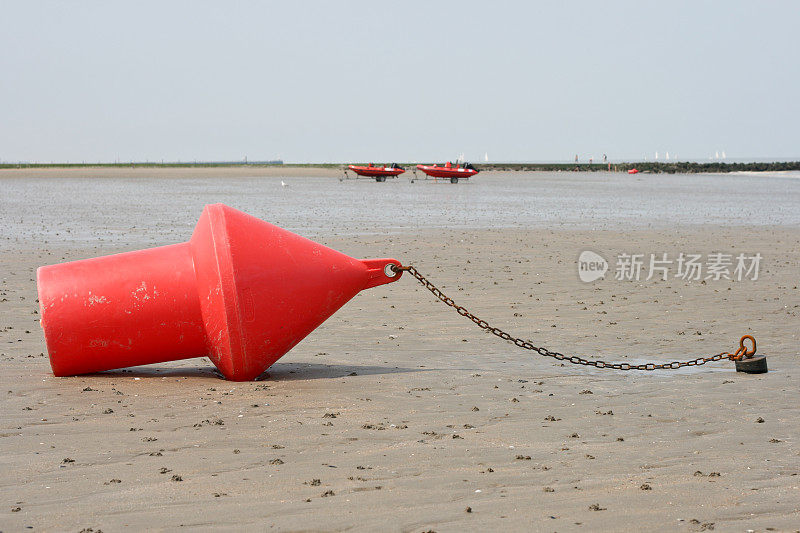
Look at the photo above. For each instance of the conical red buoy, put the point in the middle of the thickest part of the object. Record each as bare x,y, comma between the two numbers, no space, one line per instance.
241,291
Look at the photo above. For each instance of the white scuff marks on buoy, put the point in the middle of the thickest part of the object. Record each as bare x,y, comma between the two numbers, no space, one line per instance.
140,293
95,299
125,346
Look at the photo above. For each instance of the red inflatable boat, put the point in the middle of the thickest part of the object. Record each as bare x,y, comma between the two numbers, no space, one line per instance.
379,173
454,172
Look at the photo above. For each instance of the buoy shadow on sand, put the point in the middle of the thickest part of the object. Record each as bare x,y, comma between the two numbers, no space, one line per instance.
277,372
300,371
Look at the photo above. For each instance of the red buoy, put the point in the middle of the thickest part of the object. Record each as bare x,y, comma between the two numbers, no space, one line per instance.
242,292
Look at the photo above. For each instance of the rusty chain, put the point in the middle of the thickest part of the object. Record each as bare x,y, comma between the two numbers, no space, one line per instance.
741,352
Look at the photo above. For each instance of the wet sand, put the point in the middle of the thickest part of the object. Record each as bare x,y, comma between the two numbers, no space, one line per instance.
397,414
170,172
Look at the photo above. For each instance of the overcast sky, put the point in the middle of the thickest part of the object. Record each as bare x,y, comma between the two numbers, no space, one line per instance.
400,81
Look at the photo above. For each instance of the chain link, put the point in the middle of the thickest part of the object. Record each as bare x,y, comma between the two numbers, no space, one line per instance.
741,352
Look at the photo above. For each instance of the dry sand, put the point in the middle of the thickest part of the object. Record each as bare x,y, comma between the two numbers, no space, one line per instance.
397,414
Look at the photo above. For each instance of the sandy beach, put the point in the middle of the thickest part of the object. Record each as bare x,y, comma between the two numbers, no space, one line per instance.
397,414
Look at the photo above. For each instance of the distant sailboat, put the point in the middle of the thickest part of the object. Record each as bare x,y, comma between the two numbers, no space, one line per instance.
656,156
486,157
723,154
716,155
667,156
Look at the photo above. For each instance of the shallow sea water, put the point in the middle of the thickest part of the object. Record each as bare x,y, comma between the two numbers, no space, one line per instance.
158,211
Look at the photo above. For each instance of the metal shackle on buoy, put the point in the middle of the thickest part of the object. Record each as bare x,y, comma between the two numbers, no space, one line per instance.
241,291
